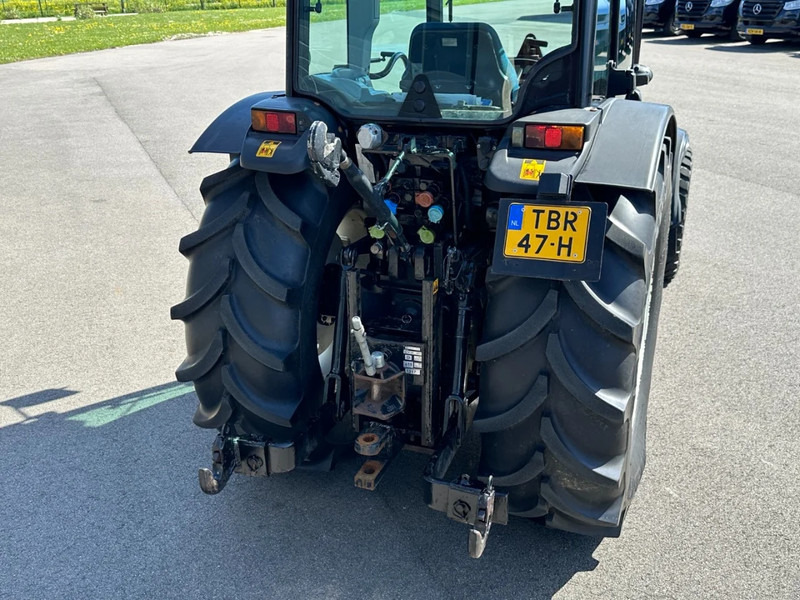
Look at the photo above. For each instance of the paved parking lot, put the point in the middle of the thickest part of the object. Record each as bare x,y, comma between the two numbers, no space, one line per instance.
100,499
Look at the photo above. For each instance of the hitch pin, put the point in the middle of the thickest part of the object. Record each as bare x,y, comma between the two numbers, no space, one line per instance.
361,339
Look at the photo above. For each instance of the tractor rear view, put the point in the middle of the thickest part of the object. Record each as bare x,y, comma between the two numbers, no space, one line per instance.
453,217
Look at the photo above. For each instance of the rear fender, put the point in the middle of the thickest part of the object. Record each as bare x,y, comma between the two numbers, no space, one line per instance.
626,151
231,133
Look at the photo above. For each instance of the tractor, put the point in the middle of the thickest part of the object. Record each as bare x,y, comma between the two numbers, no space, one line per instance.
456,217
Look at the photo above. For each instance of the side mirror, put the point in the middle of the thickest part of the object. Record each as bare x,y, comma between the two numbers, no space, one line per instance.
623,82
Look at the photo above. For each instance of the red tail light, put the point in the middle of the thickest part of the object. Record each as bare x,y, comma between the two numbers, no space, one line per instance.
270,121
554,137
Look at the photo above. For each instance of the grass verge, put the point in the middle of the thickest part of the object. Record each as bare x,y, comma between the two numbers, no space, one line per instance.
38,40
25,41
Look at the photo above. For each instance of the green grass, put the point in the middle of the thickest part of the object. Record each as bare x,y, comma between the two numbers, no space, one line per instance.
16,9
37,40
25,41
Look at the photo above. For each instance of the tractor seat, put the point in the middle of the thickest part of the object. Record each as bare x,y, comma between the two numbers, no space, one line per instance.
461,58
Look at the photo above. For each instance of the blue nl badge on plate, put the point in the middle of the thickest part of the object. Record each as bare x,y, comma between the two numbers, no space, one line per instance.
515,217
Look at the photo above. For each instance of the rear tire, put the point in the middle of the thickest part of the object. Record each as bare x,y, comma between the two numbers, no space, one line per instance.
252,301
675,243
565,376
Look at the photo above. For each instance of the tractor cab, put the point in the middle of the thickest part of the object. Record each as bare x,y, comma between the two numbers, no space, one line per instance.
480,61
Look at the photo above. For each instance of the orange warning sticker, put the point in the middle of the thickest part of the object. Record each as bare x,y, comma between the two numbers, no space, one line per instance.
532,169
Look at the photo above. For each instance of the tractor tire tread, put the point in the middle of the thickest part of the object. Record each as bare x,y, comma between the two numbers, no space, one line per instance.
203,295
514,339
273,204
532,469
208,230
197,365
567,504
277,410
244,335
524,408
609,473
259,276
610,404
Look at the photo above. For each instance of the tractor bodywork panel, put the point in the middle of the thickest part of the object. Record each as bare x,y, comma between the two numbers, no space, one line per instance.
620,155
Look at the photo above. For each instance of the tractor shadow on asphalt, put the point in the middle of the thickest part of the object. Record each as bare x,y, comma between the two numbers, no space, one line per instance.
122,474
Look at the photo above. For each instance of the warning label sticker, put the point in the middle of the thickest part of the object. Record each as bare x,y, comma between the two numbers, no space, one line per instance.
267,148
532,169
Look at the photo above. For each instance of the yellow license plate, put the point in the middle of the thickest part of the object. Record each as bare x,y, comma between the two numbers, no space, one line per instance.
751,31
687,26
556,233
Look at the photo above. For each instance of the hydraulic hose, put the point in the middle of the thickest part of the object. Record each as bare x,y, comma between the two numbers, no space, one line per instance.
373,200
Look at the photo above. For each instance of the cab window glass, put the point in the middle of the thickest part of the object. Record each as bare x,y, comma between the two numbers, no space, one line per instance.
361,57
602,43
625,38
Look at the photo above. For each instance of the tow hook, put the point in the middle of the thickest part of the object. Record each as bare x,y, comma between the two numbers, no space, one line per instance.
222,464
483,521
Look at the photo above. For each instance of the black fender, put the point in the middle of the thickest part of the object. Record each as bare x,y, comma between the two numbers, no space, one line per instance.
230,133
226,133
626,149
622,148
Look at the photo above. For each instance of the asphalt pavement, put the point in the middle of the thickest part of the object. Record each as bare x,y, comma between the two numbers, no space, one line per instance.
100,499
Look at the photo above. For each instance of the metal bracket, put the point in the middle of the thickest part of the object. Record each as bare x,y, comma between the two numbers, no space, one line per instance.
473,504
464,500
247,457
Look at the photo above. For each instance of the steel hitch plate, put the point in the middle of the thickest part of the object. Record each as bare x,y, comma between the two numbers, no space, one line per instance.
473,504
247,457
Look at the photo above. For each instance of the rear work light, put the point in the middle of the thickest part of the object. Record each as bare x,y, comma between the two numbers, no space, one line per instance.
271,121
554,137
